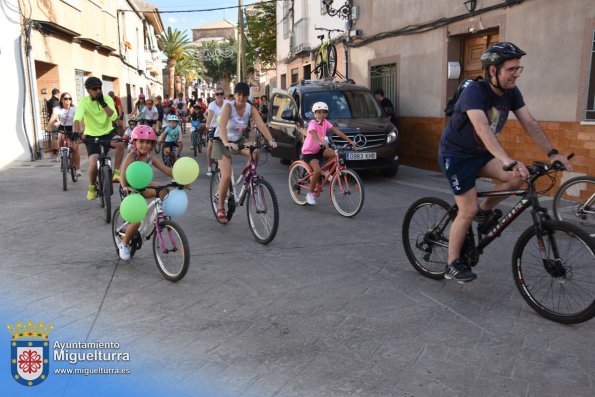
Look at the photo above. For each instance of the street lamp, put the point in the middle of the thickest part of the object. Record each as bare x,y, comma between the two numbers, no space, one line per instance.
470,5
344,11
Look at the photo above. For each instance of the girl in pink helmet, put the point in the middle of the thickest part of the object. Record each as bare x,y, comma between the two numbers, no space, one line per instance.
143,140
315,149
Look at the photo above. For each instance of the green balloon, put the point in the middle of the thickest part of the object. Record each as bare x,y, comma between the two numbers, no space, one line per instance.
134,208
139,174
185,171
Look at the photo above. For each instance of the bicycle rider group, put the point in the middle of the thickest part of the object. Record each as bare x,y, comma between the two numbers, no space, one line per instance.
469,146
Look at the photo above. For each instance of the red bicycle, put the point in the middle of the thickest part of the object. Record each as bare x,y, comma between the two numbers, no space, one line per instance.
346,188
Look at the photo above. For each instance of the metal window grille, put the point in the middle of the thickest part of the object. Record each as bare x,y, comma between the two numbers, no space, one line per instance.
385,77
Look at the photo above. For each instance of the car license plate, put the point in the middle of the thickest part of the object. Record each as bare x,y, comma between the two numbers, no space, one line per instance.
361,156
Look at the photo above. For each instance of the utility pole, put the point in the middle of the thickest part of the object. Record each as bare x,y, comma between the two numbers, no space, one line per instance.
241,56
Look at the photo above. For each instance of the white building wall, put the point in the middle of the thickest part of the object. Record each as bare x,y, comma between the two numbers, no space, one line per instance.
14,142
314,15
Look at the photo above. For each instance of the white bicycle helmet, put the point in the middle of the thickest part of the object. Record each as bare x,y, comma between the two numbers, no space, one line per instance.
319,106
173,117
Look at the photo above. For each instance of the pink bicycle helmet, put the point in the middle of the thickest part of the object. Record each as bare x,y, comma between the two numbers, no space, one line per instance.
143,132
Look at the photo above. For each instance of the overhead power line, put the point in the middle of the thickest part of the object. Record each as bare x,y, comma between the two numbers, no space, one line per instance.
210,9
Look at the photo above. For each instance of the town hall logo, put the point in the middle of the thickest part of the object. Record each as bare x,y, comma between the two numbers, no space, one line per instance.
29,352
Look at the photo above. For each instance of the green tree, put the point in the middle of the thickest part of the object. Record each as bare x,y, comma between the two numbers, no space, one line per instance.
175,44
190,67
219,59
261,34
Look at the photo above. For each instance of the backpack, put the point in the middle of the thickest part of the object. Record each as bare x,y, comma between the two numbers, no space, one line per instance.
452,101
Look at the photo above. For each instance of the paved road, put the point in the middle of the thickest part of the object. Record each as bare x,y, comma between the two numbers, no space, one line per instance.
330,308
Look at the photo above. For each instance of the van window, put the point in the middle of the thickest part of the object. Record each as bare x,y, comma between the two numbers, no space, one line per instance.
343,104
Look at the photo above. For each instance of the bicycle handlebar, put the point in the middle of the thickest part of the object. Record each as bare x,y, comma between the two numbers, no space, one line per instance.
540,167
157,188
103,140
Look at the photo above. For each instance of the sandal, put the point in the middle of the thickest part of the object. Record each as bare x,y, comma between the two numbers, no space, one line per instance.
221,217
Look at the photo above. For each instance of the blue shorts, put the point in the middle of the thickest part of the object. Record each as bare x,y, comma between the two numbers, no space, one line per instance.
462,171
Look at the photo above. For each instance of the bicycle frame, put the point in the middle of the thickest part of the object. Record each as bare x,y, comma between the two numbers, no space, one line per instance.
528,199
322,50
248,176
152,226
333,166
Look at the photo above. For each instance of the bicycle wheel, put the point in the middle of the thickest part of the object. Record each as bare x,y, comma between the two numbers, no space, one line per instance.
171,250
262,209
559,287
320,68
425,236
299,181
574,202
106,174
229,210
331,60
119,226
73,175
347,193
64,164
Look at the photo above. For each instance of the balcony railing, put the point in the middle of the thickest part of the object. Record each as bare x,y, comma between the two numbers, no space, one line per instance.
299,38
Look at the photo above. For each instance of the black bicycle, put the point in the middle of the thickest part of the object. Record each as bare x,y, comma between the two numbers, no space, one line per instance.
66,158
169,158
103,180
197,138
553,262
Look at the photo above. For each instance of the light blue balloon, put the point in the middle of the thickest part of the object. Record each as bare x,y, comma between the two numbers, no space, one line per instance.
175,203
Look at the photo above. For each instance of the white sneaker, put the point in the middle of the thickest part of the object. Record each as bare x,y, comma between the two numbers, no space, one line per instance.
123,250
78,173
209,171
311,198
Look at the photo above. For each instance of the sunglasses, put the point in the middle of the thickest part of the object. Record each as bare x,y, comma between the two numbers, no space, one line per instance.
95,88
219,94
67,99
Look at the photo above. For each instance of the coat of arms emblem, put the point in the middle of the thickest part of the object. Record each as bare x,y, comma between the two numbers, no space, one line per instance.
29,352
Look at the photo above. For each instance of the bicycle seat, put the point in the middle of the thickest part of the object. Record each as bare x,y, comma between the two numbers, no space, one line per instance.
321,37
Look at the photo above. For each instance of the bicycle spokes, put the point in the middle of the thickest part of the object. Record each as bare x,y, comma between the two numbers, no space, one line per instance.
171,251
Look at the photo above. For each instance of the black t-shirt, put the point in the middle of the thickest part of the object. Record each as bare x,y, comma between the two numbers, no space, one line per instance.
389,109
51,104
264,110
459,138
197,116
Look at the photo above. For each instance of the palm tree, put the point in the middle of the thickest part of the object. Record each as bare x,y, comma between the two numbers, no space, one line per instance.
190,67
174,44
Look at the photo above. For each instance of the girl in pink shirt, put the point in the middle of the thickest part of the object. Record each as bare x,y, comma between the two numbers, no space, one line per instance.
314,149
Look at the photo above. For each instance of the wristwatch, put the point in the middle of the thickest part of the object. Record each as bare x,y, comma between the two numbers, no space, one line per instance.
552,152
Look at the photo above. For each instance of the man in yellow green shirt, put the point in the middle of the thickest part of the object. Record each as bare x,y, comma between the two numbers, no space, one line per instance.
94,116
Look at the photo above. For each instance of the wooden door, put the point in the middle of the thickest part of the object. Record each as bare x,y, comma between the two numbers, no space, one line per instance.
473,47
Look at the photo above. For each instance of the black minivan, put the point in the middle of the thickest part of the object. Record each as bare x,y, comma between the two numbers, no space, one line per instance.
352,109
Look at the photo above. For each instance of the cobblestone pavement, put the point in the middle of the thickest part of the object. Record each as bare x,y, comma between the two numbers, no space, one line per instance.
330,308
